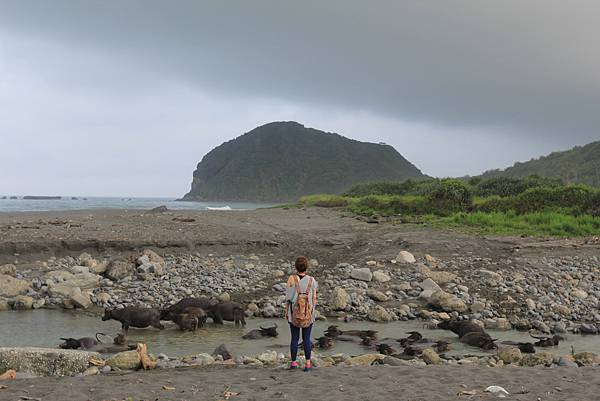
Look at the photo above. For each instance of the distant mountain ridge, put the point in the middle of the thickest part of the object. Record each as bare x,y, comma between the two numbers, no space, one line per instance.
282,161
580,164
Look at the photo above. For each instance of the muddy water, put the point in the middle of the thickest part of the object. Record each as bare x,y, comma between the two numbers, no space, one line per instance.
43,328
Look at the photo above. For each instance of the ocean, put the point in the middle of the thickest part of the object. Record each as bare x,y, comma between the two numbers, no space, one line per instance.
8,204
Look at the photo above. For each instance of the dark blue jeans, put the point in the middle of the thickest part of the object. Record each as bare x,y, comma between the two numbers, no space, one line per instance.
307,345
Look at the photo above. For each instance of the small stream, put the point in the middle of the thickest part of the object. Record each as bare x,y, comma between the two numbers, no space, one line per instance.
44,327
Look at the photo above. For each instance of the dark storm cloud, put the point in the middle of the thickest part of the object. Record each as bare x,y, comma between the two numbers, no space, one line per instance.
532,67
125,97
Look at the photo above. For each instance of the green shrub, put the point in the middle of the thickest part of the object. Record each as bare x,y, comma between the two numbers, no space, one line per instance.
382,188
324,201
448,197
572,198
504,186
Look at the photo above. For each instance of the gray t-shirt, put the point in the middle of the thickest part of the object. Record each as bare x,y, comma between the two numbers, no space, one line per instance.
291,295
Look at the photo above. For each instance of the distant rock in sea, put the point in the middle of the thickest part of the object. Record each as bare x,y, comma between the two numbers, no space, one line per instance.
282,161
35,197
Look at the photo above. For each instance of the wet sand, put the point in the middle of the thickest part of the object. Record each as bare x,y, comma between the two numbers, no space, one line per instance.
337,383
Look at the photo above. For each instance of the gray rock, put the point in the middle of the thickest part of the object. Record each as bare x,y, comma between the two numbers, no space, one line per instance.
11,287
429,284
405,257
379,314
45,361
363,274
381,277
340,299
376,295
118,269
8,269
447,302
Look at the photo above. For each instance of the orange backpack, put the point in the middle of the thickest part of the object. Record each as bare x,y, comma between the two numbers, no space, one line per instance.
302,311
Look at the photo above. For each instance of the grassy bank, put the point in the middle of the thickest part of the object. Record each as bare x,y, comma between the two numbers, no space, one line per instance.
530,206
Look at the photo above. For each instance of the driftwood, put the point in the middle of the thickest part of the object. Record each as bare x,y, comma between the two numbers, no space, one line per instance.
147,362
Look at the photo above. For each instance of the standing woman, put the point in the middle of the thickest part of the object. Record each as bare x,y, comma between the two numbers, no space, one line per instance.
301,300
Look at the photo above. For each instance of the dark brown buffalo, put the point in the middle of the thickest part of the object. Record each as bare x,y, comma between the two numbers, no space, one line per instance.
186,321
526,348
261,332
134,317
324,342
479,339
461,327
547,341
385,349
80,343
203,303
230,311
333,332
413,337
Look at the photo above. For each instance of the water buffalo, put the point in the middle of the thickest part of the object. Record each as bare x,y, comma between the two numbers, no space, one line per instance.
547,341
526,348
261,332
83,343
134,317
230,311
333,332
204,303
324,342
413,337
479,339
461,327
385,349
120,339
186,321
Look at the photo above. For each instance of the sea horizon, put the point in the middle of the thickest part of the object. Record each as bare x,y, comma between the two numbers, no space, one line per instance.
41,203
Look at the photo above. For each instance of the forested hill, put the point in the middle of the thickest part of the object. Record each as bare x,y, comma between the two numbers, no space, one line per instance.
282,161
578,165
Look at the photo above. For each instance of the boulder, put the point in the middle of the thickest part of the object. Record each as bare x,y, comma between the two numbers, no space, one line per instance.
379,314
268,357
578,294
103,297
118,269
340,300
510,355
442,277
430,357
567,361
586,359
490,277
4,305
223,351
199,360
363,274
381,277
126,360
376,295
83,280
429,284
8,269
11,287
364,360
224,297
59,290
45,361
81,299
22,302
539,358
447,302
405,257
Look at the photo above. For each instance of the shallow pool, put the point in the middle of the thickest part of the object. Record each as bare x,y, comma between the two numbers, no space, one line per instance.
44,327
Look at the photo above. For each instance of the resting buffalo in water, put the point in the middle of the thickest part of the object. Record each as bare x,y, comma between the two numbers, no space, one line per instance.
261,332
413,337
461,327
479,339
83,343
546,341
134,317
203,303
385,349
333,332
526,348
230,311
324,342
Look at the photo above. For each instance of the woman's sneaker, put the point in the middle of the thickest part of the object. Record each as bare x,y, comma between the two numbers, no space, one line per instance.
293,365
308,367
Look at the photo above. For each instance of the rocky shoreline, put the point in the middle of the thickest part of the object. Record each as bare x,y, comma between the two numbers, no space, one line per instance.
561,297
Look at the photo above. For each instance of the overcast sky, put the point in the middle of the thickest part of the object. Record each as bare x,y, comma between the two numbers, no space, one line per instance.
125,97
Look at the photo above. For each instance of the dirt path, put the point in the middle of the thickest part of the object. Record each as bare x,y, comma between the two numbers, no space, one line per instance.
339,383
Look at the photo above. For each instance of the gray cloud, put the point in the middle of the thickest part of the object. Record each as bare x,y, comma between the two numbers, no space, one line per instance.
479,84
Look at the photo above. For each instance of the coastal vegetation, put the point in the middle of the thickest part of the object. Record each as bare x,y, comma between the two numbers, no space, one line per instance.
580,164
513,206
